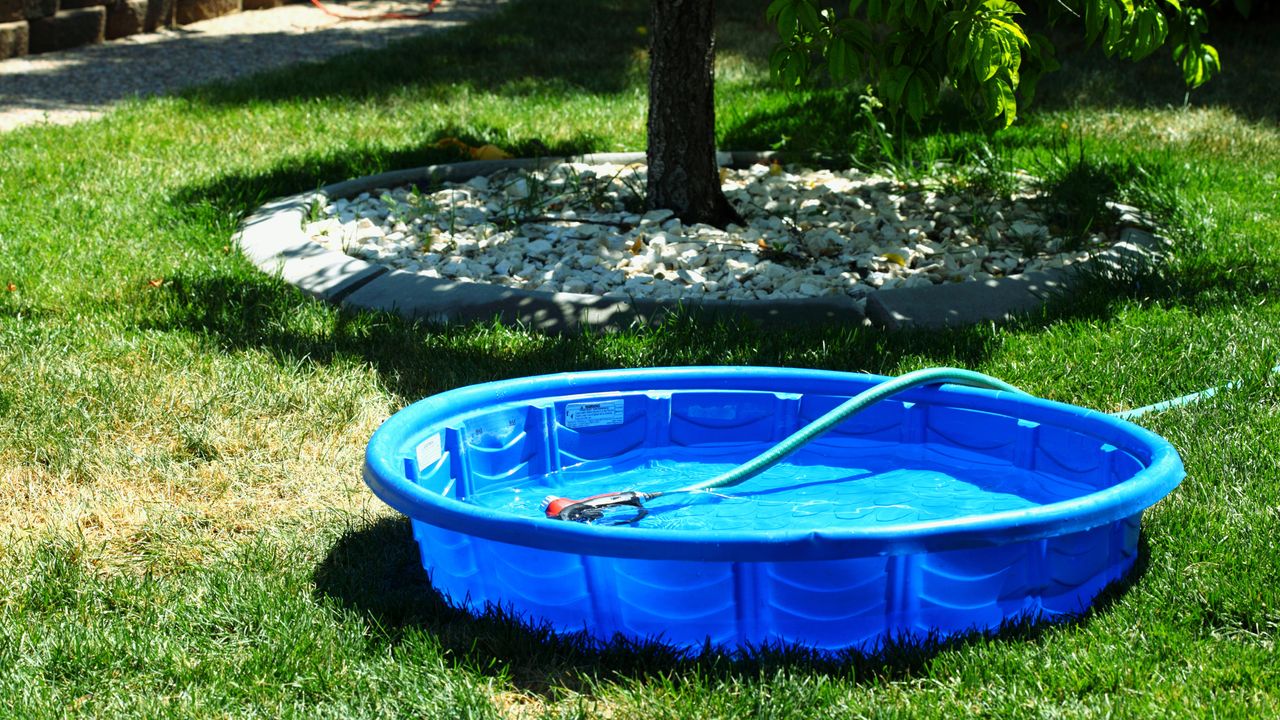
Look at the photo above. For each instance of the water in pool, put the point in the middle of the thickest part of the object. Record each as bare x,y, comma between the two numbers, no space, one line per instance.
887,485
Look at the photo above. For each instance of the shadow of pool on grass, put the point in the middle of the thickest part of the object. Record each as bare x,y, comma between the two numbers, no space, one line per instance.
374,570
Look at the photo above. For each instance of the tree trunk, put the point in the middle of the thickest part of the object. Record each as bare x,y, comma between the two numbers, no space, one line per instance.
683,175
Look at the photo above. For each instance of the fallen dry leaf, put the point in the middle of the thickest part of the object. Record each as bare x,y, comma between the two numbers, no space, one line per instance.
484,152
489,152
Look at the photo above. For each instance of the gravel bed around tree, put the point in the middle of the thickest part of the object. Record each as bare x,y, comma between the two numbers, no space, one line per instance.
581,228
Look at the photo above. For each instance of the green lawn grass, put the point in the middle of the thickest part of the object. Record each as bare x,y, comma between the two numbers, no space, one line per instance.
183,530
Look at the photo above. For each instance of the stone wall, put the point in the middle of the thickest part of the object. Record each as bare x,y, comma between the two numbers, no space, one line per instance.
36,26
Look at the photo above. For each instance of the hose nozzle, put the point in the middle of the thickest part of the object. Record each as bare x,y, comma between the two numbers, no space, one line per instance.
595,508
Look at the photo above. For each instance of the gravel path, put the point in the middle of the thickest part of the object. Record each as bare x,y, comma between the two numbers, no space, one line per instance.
73,85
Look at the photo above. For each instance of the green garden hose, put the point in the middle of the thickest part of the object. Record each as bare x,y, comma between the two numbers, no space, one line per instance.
842,412
592,508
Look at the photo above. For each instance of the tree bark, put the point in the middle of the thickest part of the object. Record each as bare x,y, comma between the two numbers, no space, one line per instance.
683,174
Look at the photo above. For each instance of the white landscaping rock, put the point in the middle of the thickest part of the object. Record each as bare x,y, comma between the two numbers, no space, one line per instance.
809,234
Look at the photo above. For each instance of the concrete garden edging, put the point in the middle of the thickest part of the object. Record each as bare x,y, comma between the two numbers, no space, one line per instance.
273,239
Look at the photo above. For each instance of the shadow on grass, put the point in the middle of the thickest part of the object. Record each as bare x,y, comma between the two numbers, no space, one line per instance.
375,571
597,48
236,313
831,126
238,195
1196,282
577,46
99,75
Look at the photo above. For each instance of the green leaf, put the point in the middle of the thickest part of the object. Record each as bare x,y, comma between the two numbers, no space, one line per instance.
1010,75
1095,16
901,44
1115,27
775,10
1003,7
787,26
1012,29
1210,64
836,60
1028,87
991,96
854,6
989,60
958,55
807,13
1141,35
893,84
1044,53
916,105
788,63
1211,57
1008,103
855,32
1000,100
842,61
1156,29
1008,50
1194,69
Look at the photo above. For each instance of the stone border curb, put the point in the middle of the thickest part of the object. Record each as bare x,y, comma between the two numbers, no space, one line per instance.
1002,299
273,240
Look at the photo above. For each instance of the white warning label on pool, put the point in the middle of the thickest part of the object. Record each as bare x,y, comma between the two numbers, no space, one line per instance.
593,414
428,452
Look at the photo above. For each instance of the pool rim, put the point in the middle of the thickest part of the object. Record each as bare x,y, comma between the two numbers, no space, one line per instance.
1163,472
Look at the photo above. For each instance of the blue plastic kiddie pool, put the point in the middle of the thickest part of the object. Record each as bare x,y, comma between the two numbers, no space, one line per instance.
580,500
